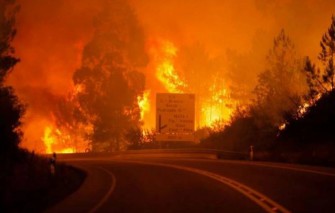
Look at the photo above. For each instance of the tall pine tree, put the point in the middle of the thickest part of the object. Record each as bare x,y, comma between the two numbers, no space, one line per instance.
321,80
282,85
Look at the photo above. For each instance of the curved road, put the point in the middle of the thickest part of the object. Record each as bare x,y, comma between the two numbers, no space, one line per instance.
147,184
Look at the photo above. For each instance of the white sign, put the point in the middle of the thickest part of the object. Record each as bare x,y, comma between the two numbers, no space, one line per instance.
175,115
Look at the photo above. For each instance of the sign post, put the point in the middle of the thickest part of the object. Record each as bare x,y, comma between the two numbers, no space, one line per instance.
175,115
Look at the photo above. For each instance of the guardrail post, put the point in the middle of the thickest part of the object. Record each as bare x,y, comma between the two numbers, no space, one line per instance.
251,152
52,163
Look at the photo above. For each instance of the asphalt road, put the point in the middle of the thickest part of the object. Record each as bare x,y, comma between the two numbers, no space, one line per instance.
151,184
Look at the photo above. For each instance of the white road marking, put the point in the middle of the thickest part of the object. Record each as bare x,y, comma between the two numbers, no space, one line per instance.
237,162
281,167
108,194
260,199
294,169
265,165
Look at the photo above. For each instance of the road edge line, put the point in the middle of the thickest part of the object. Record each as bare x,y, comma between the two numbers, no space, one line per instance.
284,167
108,194
260,199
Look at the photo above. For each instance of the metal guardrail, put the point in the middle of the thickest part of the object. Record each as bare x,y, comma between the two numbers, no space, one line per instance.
169,153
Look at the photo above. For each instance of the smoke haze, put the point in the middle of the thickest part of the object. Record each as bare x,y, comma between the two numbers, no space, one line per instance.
235,34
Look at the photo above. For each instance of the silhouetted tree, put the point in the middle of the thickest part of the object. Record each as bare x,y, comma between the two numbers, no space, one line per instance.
311,137
10,108
278,94
281,87
327,55
313,80
321,80
109,77
134,137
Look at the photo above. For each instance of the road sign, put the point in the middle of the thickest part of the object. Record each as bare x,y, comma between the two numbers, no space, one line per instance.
175,114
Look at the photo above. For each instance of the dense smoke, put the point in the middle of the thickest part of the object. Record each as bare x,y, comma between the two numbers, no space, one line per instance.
49,42
245,28
233,37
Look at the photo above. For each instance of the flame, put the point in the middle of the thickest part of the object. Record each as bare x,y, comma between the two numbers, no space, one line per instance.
282,126
303,109
216,106
217,109
54,141
165,70
67,151
144,104
65,139
48,139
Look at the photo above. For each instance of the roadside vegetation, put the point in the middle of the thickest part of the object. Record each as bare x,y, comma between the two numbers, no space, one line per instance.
292,117
26,181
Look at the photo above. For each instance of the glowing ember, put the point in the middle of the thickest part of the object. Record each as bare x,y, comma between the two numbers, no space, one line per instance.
303,109
78,88
282,127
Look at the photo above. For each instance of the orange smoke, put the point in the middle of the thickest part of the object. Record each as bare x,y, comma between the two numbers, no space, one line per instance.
52,34
165,70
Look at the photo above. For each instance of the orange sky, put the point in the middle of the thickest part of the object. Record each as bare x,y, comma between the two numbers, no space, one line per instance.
222,24
52,34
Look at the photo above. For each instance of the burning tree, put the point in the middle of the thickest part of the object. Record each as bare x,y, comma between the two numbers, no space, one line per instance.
109,77
200,74
279,94
10,108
